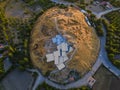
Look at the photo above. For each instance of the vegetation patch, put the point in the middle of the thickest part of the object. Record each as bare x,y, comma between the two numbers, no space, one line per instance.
113,37
16,38
115,3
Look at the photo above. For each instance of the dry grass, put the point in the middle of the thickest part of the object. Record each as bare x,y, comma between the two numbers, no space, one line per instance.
85,56
72,25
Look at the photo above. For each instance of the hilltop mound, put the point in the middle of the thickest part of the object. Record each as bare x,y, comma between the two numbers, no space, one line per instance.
71,23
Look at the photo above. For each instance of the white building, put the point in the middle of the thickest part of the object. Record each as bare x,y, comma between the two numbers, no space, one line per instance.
91,81
64,47
59,56
60,66
50,57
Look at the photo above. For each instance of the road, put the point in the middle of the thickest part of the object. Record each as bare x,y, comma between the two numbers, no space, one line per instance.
106,62
62,2
98,15
39,80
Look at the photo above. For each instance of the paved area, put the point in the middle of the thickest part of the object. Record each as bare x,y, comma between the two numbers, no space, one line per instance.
95,8
62,2
17,80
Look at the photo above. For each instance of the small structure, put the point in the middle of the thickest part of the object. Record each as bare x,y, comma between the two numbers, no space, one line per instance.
50,57
1,46
103,3
1,55
91,81
64,47
106,4
83,11
88,22
117,57
60,66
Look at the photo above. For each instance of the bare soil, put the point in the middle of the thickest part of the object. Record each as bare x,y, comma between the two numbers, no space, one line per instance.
17,9
105,80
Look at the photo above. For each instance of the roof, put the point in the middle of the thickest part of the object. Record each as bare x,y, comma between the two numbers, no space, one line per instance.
56,56
64,47
56,60
58,39
56,53
59,47
50,57
83,11
65,58
60,66
91,81
1,55
1,46
64,54
87,21
61,60
71,49
102,3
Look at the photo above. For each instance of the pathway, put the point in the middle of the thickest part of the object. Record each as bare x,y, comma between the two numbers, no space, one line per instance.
39,80
62,2
98,15
106,62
